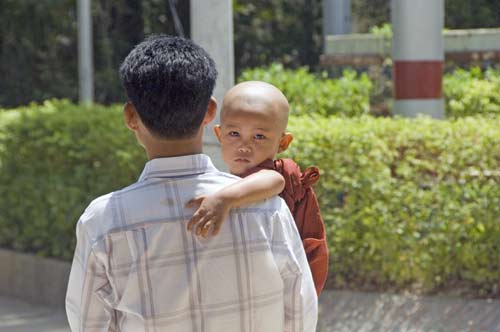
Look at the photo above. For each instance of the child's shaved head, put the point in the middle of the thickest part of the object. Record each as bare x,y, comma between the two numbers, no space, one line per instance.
253,125
257,96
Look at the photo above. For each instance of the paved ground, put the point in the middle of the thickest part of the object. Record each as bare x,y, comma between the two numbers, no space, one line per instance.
18,316
367,312
339,312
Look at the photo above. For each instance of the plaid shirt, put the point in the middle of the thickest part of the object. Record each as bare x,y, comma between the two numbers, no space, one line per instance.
137,268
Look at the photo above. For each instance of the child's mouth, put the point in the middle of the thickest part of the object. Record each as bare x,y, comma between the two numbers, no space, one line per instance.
242,160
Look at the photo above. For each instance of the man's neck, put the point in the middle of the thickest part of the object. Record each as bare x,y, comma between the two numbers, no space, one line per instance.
175,148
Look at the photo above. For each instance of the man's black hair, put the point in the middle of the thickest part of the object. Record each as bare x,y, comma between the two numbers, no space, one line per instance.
170,81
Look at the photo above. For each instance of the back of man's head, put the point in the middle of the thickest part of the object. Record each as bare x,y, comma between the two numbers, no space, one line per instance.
170,81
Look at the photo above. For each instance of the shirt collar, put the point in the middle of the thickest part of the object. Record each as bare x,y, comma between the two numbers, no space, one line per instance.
177,166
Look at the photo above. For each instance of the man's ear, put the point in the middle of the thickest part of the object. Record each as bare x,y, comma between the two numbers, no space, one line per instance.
218,132
211,111
285,141
131,116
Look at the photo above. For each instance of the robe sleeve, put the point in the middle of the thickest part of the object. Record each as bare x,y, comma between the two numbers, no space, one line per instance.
301,199
313,237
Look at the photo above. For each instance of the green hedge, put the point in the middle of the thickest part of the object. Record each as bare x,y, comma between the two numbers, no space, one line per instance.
472,92
466,93
54,159
312,94
408,203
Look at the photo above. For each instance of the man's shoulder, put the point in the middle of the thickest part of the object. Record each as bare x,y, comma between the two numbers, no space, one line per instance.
98,201
97,211
101,203
273,205
222,176
99,216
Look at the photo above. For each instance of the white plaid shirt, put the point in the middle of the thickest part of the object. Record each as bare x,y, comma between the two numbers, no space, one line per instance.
137,268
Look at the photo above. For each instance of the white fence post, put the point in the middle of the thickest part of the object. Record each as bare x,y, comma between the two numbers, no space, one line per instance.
85,52
418,56
212,28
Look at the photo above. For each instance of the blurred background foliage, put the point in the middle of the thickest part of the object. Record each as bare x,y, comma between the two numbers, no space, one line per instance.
38,39
466,92
408,204
460,14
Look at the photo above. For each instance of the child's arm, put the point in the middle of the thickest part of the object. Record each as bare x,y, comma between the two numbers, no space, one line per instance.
213,209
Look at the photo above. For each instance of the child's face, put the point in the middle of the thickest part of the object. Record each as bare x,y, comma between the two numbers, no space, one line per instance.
249,136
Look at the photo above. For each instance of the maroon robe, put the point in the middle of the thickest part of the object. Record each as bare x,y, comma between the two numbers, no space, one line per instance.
301,200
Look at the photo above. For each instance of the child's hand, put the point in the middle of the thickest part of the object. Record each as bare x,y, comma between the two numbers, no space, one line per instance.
212,212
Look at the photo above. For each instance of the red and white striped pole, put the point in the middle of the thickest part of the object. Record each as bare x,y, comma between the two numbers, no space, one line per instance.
418,57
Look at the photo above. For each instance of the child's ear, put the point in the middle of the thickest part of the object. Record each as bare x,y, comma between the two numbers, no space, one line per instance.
285,141
218,132
131,116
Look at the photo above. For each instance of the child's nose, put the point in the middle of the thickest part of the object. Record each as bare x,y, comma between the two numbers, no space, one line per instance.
244,149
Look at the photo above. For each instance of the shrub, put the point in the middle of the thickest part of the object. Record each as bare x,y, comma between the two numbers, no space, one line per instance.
466,93
54,159
311,94
407,202
384,30
472,92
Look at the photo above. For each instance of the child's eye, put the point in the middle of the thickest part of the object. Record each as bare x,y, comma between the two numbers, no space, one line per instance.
234,133
259,136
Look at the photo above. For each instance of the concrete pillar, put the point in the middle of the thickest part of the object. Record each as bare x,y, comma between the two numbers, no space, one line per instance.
418,56
212,28
336,17
85,52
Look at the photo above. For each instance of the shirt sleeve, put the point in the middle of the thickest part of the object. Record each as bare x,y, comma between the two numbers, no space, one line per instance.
300,299
87,306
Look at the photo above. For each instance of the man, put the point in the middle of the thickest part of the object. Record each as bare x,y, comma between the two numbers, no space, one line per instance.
137,267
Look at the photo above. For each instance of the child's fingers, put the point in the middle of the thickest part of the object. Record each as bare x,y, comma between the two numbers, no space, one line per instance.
217,226
201,224
206,228
194,220
195,202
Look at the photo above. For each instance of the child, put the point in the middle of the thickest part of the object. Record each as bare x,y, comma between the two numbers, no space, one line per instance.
254,118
